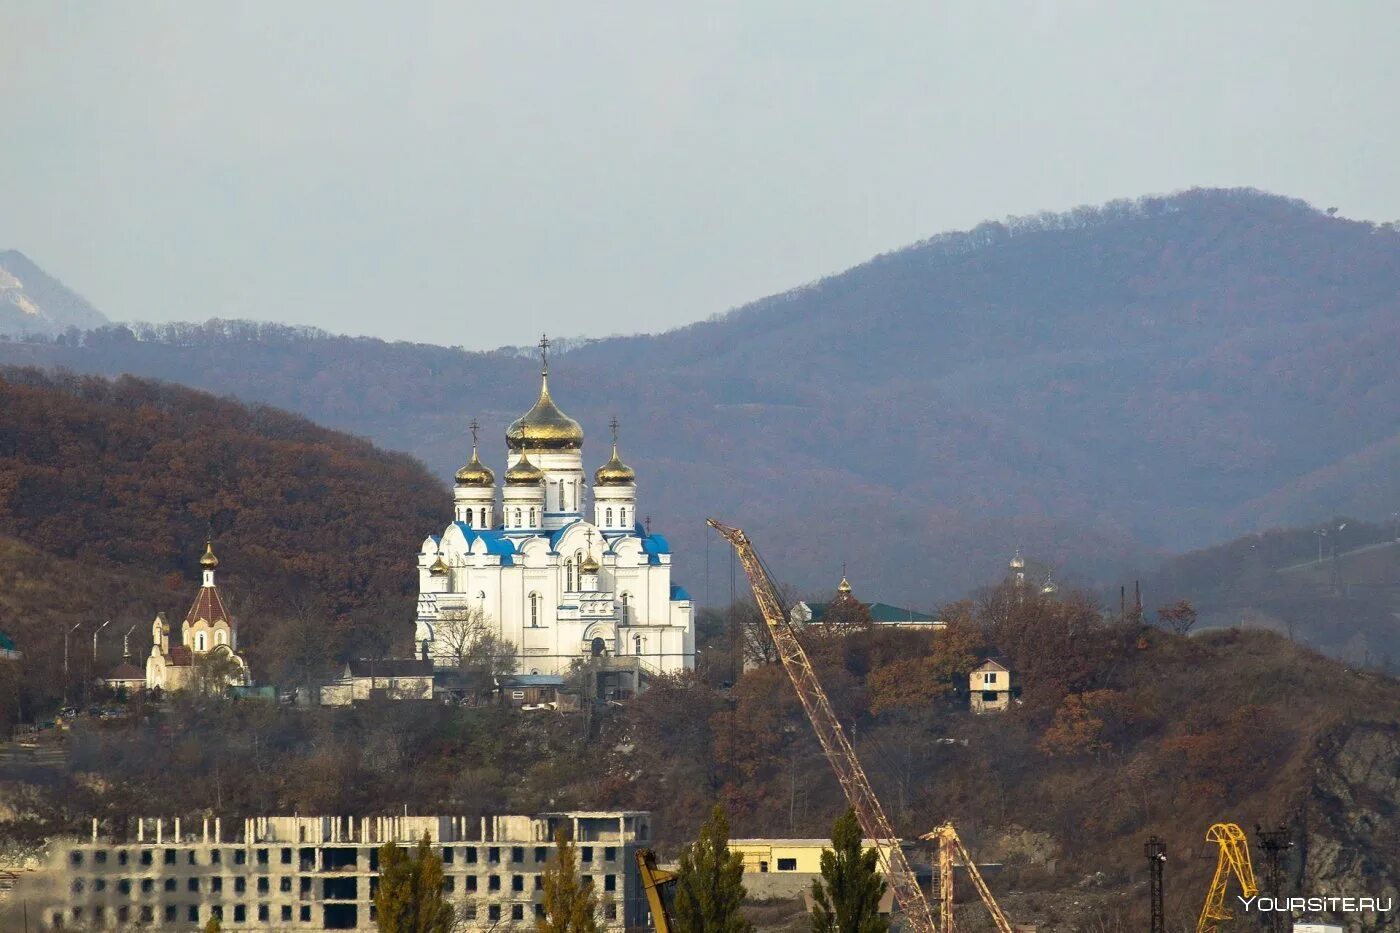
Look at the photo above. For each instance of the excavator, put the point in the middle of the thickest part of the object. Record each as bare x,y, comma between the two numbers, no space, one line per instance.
841,755
1232,860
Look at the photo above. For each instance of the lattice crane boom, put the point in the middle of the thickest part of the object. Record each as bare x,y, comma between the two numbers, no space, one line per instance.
837,747
951,848
1233,860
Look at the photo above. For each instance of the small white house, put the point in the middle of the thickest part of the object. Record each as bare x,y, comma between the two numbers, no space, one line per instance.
387,678
990,685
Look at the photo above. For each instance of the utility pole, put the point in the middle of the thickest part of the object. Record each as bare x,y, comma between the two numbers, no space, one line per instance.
1275,843
1156,852
66,633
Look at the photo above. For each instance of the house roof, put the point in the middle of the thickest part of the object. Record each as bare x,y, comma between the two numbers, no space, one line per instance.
126,671
389,667
881,613
180,656
994,660
532,680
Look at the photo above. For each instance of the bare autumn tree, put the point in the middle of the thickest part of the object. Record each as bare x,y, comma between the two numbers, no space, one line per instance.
1179,617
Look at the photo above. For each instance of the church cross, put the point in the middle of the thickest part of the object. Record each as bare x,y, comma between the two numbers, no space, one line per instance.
648,525
613,424
475,427
544,354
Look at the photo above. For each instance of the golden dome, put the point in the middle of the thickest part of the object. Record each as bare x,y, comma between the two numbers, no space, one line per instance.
208,561
589,565
544,427
844,587
475,473
524,473
1017,563
439,567
614,472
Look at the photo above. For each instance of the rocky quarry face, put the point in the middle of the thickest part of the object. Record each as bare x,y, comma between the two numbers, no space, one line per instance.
1351,843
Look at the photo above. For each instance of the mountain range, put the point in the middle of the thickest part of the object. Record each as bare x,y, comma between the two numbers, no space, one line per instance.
1099,388
33,302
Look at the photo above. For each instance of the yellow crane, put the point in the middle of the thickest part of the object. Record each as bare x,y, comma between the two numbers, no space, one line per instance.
950,847
656,882
837,747
1233,860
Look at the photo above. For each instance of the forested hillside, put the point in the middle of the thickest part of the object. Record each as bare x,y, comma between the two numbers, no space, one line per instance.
108,489
1100,387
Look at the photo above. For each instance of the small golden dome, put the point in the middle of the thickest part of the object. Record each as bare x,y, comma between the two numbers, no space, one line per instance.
844,587
614,472
208,561
439,567
1017,563
524,473
475,473
544,427
589,565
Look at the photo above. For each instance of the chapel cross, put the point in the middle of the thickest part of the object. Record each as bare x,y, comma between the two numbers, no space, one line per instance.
544,354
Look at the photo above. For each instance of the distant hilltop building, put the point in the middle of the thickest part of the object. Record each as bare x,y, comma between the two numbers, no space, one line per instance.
845,609
207,654
537,564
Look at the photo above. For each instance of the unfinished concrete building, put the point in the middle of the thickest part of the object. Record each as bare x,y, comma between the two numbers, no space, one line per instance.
321,873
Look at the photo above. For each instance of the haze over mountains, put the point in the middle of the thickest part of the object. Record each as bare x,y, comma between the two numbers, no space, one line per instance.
32,302
1143,377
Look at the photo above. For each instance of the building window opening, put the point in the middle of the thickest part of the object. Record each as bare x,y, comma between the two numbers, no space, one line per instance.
533,522
569,576
199,642
483,518
622,517
599,647
608,520
534,610
518,523
787,864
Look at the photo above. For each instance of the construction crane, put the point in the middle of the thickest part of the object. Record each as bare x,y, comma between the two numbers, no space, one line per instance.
659,886
950,846
1233,859
839,752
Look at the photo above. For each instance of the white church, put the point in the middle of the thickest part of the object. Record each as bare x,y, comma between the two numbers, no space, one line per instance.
560,581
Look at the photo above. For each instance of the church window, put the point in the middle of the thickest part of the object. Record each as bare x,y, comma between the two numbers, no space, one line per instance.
608,520
483,518
626,607
532,518
637,642
219,637
569,576
622,518
517,519
563,506
469,518
199,642
534,610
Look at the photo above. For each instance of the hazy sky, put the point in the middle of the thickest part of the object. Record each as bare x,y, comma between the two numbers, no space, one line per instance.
476,173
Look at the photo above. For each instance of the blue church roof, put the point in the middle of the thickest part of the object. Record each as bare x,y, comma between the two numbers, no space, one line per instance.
496,541
678,592
554,538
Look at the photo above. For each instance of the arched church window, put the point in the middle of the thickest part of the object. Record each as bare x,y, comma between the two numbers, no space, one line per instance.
609,518
517,518
532,518
622,518
637,641
534,610
626,608
219,637
599,647
469,518
199,642
569,575
483,518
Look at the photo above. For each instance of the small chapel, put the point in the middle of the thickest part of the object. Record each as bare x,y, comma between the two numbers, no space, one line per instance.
208,641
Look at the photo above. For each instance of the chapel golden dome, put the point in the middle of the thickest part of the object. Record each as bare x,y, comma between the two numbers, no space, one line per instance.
614,472
439,567
589,565
475,473
208,561
544,427
844,587
524,473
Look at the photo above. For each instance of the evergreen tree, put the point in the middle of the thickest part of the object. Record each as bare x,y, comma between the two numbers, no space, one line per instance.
709,885
410,899
847,898
570,906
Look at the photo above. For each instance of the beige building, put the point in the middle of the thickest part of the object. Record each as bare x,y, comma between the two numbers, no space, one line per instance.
208,641
383,678
321,873
991,685
782,868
